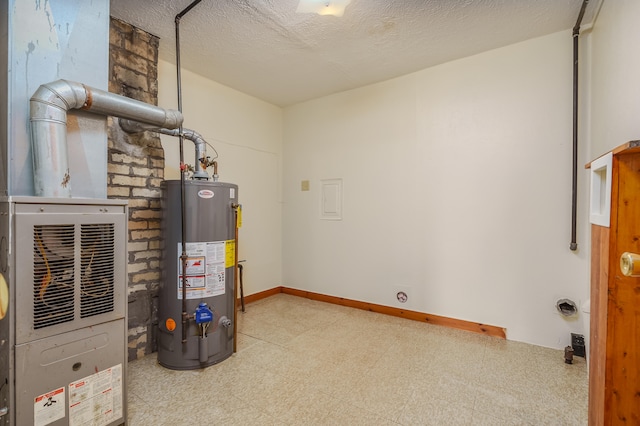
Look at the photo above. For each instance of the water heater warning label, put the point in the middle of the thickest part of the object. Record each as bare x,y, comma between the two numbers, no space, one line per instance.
205,269
230,253
49,407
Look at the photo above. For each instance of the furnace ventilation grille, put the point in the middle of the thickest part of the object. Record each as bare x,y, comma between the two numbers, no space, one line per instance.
97,263
59,262
53,273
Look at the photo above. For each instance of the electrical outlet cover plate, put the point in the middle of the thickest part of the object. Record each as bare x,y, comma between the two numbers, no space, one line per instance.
402,296
577,343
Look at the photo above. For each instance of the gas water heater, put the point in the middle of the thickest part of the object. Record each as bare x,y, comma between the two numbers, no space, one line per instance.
198,331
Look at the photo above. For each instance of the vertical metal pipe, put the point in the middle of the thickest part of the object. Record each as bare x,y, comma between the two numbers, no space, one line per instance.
240,270
574,184
183,256
235,281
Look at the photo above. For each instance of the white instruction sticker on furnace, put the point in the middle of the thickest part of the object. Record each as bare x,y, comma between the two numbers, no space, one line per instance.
97,399
49,407
205,269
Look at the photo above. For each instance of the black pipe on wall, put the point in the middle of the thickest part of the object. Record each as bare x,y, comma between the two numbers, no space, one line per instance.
183,256
574,190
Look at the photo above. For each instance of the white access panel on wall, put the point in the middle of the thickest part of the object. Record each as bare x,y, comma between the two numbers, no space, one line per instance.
331,199
600,207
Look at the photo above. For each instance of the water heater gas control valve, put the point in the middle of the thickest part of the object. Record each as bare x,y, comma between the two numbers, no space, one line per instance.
203,314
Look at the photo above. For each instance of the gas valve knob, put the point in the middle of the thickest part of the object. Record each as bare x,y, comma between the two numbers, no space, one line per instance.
203,314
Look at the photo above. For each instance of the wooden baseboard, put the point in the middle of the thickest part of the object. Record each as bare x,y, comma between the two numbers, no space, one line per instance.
261,295
489,330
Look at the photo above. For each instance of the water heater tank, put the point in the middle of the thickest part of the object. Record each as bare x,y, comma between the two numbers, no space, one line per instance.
210,224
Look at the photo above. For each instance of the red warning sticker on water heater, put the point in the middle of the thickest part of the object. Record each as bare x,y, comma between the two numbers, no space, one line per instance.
205,193
205,269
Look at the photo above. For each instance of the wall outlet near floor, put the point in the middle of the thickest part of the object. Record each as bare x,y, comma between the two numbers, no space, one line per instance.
402,296
577,343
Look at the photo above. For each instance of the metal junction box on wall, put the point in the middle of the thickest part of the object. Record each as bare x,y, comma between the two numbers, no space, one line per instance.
63,334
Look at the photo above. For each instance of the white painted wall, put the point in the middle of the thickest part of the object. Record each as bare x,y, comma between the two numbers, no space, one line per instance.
457,188
456,178
615,86
247,133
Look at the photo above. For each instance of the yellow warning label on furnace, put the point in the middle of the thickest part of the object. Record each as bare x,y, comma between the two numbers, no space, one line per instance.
229,253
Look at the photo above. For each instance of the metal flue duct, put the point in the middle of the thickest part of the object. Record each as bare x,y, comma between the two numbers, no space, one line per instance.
48,119
195,137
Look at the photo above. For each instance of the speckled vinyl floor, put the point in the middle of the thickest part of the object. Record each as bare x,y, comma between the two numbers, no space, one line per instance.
301,362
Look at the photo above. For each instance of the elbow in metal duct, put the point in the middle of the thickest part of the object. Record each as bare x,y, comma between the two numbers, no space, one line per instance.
48,122
195,137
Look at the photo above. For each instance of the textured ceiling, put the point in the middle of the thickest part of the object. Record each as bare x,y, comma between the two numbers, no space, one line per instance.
265,49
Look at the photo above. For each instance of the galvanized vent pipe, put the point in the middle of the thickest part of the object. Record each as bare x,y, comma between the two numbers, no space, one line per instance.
195,137
48,119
